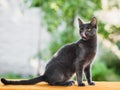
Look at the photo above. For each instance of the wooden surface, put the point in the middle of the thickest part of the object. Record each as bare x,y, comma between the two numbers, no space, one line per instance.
45,86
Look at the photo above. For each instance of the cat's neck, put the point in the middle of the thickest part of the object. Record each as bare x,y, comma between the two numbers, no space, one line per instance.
92,43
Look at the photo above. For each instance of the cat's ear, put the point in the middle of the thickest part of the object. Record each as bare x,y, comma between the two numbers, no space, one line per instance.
80,22
94,21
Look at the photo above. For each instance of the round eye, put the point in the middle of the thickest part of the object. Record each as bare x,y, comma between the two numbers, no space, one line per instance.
89,29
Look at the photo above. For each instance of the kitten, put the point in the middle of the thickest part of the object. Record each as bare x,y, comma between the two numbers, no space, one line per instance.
73,58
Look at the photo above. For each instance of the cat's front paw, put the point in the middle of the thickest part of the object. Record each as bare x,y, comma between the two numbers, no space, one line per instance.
81,84
92,83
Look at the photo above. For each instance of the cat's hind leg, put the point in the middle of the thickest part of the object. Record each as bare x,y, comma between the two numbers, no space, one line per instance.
68,83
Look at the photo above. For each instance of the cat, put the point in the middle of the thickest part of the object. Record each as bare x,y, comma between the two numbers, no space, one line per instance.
70,59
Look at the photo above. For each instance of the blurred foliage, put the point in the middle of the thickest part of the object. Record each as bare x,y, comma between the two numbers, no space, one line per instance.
62,13
100,71
111,61
59,12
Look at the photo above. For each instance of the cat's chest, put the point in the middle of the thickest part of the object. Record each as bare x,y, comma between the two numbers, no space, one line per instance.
86,53
88,58
90,55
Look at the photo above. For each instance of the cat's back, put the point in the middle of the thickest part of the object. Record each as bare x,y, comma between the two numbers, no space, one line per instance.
64,56
66,52
68,48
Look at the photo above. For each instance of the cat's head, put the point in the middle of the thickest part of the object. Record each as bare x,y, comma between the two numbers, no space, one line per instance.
88,30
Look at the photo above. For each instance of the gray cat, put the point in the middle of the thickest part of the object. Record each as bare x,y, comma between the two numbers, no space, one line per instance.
70,59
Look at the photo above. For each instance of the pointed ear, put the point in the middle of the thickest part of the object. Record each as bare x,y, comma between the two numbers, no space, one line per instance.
94,21
80,22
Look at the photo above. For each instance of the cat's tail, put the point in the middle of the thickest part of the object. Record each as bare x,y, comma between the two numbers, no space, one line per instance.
23,82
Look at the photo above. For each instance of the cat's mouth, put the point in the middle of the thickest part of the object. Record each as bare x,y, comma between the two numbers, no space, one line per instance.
84,37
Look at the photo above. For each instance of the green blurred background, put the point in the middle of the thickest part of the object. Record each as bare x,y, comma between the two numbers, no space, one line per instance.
64,13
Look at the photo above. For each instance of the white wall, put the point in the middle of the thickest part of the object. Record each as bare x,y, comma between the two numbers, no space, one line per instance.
19,34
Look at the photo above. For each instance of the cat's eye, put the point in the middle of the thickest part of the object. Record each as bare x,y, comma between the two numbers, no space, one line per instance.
89,29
